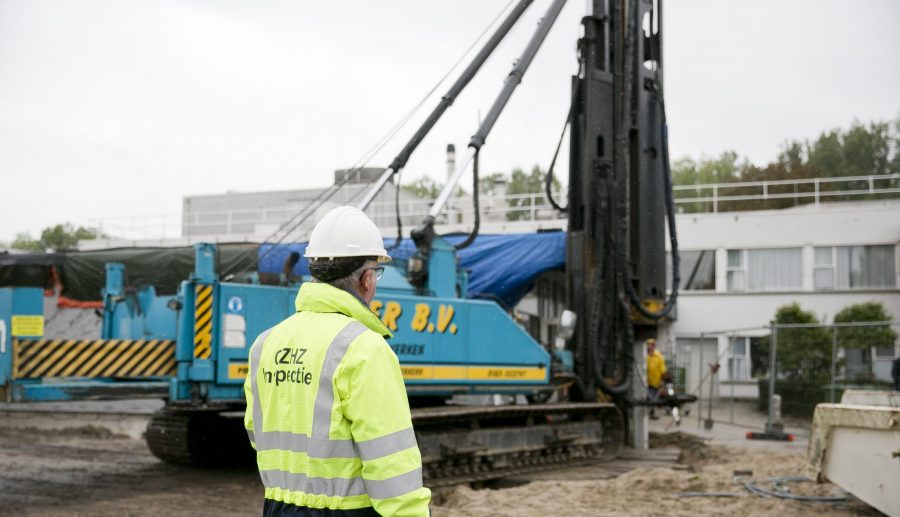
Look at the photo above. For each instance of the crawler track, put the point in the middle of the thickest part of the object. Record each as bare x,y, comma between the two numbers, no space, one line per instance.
204,438
472,444
459,444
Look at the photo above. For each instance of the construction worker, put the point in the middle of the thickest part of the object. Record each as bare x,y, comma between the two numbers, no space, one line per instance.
656,369
326,405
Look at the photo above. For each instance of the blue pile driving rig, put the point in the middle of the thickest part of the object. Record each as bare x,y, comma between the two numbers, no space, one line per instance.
191,348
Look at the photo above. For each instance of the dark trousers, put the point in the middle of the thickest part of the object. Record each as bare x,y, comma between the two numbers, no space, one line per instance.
278,508
652,395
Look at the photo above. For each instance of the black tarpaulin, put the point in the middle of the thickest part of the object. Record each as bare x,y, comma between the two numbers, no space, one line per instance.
82,274
28,269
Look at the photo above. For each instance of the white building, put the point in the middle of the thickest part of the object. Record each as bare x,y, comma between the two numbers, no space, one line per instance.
739,267
255,216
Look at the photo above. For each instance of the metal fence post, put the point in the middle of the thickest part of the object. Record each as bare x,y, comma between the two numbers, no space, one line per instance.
833,362
731,369
700,381
770,424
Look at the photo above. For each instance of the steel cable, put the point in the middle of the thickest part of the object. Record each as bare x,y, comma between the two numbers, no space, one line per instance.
305,213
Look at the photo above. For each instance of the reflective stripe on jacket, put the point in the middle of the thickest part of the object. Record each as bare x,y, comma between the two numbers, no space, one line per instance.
656,368
327,410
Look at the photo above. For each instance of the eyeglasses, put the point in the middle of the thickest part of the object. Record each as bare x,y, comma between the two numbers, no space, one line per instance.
378,271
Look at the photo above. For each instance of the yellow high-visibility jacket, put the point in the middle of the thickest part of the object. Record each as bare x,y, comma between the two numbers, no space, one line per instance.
656,368
327,410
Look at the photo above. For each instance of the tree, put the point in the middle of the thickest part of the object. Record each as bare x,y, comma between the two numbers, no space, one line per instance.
424,187
775,171
24,242
802,353
728,166
864,338
792,152
858,151
488,184
61,237
521,183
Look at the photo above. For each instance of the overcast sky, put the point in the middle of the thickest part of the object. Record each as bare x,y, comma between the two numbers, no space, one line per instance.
121,108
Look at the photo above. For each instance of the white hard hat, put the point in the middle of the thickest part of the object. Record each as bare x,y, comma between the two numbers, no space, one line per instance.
346,231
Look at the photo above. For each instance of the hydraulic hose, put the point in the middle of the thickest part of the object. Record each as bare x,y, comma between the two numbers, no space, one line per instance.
471,238
509,87
595,324
396,243
548,180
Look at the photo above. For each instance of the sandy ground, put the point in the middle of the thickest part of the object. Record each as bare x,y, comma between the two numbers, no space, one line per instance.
657,491
83,468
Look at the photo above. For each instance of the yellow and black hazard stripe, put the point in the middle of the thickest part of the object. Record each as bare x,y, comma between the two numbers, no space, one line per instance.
203,301
38,358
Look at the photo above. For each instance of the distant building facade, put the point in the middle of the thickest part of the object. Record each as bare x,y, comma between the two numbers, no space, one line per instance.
737,268
257,215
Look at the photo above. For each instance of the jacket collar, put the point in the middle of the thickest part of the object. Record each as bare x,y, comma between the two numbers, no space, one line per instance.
321,297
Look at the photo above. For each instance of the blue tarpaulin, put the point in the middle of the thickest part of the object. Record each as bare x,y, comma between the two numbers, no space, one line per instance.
501,267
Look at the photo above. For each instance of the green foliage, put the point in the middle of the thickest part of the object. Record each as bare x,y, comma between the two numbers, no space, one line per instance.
802,353
521,182
61,237
860,150
791,170
24,242
488,184
865,337
424,187
726,167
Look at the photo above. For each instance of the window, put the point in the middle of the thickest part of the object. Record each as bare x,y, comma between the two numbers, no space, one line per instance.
823,275
736,270
739,359
769,269
854,267
697,269
884,352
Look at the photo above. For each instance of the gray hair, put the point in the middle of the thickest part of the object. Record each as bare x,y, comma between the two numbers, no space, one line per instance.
349,282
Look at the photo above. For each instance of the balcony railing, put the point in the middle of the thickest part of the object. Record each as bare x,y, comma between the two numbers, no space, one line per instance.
524,208
762,195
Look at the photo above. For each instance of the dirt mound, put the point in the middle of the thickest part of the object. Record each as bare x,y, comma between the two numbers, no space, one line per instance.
656,490
694,450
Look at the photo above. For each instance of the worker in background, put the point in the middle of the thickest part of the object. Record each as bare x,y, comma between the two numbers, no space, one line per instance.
326,405
287,269
656,369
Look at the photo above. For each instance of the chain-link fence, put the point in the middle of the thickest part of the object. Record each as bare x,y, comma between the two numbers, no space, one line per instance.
734,373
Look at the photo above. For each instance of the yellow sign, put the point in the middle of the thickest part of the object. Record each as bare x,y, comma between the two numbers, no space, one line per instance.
479,373
238,370
31,326
494,373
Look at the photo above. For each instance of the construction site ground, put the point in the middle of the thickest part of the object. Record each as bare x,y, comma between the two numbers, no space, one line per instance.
89,459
